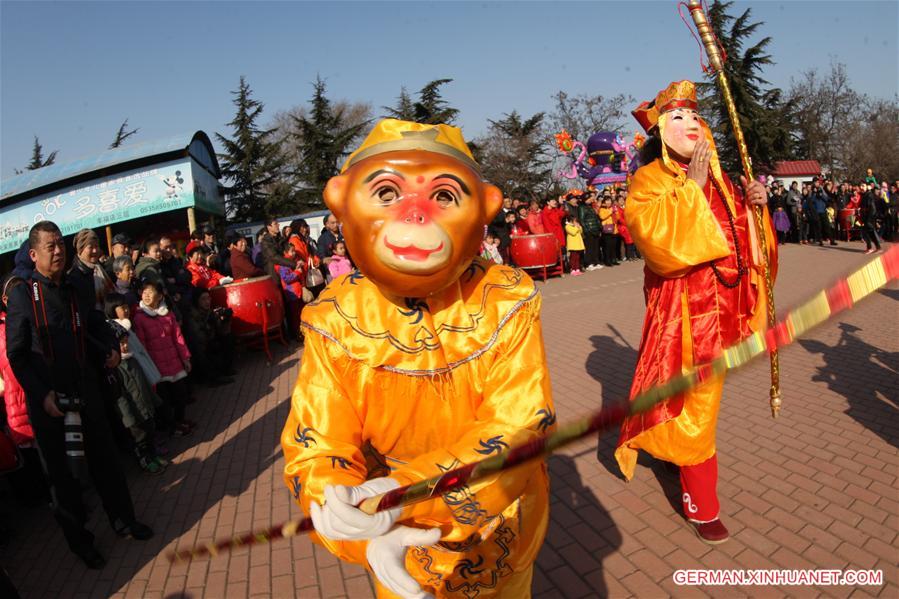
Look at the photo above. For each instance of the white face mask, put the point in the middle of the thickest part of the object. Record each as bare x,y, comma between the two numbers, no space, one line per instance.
683,128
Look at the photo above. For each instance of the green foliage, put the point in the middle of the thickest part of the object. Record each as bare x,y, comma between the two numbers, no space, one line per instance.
121,135
764,117
250,161
327,134
37,157
430,109
513,156
404,109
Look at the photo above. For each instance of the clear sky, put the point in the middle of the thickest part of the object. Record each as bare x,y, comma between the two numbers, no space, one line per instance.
71,72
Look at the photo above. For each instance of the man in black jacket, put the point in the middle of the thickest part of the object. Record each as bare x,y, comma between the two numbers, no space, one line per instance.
868,214
272,252
52,340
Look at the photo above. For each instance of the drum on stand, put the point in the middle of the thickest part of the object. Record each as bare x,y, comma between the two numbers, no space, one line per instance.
537,251
257,305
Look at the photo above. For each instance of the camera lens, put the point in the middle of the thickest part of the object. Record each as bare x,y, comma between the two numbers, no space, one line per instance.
74,443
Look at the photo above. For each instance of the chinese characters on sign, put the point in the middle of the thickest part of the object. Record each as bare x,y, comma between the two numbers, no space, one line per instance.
113,199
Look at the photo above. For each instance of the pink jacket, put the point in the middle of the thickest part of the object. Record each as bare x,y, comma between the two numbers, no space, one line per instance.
160,334
340,265
14,397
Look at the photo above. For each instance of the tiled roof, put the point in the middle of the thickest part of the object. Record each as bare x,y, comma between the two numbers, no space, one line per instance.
796,168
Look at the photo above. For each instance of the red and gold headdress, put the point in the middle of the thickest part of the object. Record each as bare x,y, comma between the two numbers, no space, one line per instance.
679,94
652,117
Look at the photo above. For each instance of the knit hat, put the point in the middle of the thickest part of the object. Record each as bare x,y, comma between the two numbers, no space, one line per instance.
83,238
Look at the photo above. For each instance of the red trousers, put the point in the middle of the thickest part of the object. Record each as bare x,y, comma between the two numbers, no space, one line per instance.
574,259
699,484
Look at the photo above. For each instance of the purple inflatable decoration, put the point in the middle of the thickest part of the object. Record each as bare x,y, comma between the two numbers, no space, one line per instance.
602,161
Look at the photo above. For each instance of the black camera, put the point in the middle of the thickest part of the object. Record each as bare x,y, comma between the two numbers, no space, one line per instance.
68,403
71,405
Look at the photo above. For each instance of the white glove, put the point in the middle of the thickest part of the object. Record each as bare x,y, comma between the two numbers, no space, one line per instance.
387,557
225,280
341,520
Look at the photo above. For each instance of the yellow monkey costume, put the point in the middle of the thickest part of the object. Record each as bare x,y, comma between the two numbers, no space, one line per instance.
412,387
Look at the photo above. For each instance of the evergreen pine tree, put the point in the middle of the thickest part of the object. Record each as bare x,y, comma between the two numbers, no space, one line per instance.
37,156
250,161
404,109
121,135
763,117
326,135
512,156
431,108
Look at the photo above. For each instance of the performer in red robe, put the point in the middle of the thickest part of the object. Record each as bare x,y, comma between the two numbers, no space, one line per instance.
704,290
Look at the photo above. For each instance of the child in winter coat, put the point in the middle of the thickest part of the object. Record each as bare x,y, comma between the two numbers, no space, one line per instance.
118,311
136,405
294,292
161,335
781,224
340,264
574,241
490,249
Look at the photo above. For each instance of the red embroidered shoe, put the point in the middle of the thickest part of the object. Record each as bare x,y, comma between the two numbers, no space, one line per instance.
711,533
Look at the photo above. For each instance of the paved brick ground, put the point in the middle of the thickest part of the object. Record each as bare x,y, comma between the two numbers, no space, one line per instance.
815,489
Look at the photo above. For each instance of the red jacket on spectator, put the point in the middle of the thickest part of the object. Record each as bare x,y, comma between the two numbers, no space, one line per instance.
204,277
160,334
552,222
302,249
520,228
618,215
291,281
242,267
535,223
14,397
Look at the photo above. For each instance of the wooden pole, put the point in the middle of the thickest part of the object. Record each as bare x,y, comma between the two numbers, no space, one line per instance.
716,61
109,239
191,220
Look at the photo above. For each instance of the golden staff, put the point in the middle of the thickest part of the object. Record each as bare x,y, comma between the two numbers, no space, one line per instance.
710,42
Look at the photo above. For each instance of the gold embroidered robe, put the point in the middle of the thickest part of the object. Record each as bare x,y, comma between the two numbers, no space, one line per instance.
411,388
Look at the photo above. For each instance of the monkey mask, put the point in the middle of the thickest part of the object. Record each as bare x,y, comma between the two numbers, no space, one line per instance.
413,206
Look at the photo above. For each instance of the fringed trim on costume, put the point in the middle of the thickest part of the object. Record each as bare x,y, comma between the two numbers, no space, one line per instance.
531,312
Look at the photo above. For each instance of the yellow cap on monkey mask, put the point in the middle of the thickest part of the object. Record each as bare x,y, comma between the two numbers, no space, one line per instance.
392,135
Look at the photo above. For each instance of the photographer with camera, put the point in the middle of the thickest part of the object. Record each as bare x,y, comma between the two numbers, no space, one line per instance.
52,340
210,341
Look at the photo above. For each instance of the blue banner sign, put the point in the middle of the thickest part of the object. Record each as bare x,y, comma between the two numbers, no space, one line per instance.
120,197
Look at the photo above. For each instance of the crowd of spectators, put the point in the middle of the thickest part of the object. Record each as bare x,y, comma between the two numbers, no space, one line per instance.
591,232
109,348
823,211
588,227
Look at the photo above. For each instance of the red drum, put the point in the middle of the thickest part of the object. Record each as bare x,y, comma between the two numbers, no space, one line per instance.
535,251
257,304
